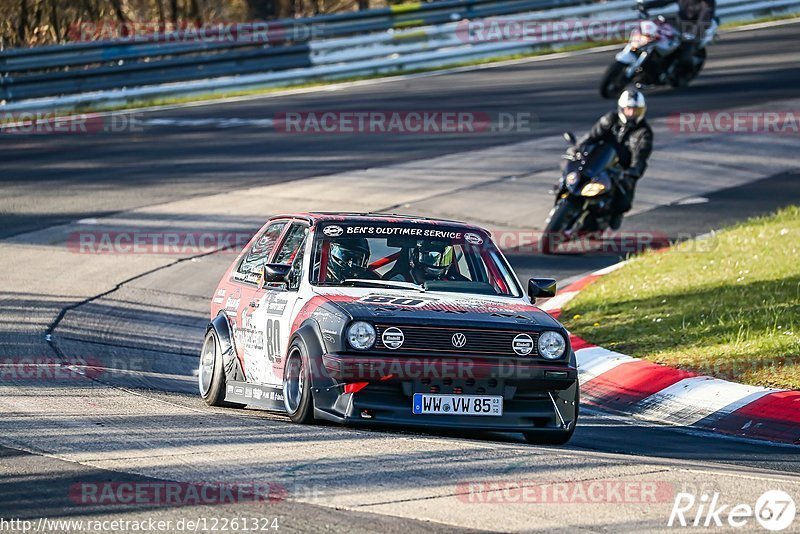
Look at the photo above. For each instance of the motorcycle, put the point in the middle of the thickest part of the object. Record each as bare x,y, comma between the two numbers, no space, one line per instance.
584,194
652,56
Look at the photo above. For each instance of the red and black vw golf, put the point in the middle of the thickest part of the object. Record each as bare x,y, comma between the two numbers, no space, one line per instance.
367,319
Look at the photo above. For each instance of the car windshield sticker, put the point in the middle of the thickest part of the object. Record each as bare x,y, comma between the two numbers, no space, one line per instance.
397,231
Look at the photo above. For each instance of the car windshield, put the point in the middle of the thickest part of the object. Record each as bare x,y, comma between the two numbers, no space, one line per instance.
416,257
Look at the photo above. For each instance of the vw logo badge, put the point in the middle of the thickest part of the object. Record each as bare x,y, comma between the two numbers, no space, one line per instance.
459,340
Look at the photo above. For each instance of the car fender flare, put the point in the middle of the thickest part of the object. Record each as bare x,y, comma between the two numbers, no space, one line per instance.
231,364
310,336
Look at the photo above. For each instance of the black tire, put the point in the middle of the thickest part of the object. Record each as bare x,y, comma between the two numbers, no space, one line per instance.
685,80
549,438
555,438
560,221
298,397
614,80
211,375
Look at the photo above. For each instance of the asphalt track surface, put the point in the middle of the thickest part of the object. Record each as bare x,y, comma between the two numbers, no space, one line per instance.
49,180
53,179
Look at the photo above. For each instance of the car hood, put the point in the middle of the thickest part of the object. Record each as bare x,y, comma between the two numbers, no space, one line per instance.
411,307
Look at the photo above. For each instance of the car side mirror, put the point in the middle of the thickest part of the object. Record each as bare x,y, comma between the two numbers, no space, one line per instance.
570,138
541,288
275,273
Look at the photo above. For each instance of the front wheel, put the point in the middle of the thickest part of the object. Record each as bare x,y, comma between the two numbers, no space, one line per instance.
555,437
614,80
550,438
564,215
297,396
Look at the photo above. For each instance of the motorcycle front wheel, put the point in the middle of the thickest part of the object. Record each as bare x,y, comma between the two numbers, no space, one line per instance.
614,80
563,217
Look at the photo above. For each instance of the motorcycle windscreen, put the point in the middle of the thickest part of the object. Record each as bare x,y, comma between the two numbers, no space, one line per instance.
601,158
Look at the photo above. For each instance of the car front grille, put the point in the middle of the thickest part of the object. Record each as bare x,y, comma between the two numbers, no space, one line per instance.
432,339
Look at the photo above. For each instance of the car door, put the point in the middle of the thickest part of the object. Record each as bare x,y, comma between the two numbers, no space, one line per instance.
268,312
243,287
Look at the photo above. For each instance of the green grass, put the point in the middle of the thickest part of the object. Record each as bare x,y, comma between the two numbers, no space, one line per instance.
729,308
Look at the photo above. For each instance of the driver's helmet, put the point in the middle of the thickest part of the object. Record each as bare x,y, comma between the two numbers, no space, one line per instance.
348,257
433,257
631,107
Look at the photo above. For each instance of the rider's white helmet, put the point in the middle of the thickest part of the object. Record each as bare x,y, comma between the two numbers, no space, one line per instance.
631,106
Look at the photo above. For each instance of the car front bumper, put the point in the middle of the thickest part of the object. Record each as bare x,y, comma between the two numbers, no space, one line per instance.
536,396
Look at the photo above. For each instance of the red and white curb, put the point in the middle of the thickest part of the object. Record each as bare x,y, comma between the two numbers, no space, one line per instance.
623,384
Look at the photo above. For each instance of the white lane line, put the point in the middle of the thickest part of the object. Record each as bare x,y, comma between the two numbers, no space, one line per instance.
215,122
691,201
688,401
609,269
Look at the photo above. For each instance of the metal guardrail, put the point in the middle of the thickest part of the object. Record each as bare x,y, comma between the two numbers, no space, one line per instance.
394,39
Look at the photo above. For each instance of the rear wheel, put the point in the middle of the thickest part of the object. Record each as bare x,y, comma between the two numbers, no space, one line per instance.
297,396
614,80
211,374
683,81
564,215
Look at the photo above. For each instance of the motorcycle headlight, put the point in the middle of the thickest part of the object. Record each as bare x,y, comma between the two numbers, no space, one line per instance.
361,335
592,189
572,178
552,345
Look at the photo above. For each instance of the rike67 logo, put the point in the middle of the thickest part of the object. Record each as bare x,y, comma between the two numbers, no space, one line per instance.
775,510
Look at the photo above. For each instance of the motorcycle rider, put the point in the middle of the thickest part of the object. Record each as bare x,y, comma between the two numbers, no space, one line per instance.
694,19
627,129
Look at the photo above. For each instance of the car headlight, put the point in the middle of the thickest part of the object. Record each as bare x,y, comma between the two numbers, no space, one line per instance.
361,335
552,345
592,189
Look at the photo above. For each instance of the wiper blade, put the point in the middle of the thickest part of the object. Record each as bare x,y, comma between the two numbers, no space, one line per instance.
382,283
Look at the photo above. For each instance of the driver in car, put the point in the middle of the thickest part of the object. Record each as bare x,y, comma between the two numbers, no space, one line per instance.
427,261
348,259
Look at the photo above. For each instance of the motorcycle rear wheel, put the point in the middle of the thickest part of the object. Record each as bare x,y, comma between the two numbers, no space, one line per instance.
683,81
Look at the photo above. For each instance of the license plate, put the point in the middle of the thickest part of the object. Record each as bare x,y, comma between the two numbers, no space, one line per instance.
457,404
